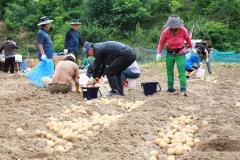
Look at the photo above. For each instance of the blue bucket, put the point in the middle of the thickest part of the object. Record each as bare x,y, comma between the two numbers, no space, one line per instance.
90,92
149,88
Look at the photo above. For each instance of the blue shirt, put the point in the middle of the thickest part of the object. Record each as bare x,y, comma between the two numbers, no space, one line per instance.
190,60
73,41
44,39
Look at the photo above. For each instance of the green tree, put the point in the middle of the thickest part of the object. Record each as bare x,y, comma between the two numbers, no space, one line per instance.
128,13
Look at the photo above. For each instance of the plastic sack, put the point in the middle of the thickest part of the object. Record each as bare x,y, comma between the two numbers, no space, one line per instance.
201,73
45,68
83,80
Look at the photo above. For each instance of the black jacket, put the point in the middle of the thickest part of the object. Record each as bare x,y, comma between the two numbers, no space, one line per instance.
106,52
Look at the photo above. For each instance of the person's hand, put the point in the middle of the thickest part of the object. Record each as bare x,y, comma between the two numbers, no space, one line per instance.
44,56
65,51
78,90
158,57
92,81
193,50
207,60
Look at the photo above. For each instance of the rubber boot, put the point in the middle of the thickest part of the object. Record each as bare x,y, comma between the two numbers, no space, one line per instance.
120,86
113,82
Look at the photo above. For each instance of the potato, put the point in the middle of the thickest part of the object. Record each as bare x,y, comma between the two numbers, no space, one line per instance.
171,118
186,148
157,141
171,151
20,132
196,141
38,133
178,150
204,124
166,139
163,144
50,143
48,150
153,158
154,153
60,149
68,146
195,127
171,158
190,143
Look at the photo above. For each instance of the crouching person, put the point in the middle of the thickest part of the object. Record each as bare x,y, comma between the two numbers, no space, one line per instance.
191,64
111,59
65,73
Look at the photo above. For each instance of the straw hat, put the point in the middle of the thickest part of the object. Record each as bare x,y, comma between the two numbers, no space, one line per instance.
174,21
44,20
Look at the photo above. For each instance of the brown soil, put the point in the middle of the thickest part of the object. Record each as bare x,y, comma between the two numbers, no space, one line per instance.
24,106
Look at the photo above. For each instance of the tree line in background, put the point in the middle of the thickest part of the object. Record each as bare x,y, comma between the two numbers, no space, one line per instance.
135,22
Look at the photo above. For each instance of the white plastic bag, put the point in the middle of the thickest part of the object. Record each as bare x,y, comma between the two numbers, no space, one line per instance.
83,80
201,73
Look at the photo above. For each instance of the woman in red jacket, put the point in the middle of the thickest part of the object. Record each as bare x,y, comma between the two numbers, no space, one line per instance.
174,36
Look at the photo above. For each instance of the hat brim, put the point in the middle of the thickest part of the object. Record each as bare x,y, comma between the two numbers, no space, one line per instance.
75,23
46,22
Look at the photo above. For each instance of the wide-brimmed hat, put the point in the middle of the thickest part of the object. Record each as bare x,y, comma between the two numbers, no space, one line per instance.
70,56
75,21
174,21
44,20
87,45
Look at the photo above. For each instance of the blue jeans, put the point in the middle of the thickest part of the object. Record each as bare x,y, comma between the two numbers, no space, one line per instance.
129,74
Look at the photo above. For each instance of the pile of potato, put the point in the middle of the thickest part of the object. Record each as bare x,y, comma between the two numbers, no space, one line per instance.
123,104
75,123
180,139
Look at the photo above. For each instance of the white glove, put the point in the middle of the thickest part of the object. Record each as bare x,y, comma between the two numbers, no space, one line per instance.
65,51
193,50
207,60
43,56
158,57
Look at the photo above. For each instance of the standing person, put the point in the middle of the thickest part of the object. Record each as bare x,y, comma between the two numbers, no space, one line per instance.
73,40
44,42
65,73
204,54
174,36
9,49
111,59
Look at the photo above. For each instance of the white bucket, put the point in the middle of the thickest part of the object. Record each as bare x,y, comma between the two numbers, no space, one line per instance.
132,83
201,73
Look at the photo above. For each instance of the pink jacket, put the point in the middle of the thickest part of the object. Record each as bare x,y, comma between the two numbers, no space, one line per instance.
174,41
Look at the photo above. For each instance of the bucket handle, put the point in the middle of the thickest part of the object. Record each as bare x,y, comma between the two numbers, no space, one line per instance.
100,92
159,87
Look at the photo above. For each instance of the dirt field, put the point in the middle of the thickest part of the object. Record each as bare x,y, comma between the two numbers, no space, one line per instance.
132,136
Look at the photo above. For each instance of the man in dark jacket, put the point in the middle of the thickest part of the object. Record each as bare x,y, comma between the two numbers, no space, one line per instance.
44,42
111,59
8,47
73,40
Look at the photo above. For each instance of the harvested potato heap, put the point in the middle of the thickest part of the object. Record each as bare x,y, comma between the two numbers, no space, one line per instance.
123,104
180,139
75,123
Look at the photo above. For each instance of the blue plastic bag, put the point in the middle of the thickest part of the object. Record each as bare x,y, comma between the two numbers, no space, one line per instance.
45,68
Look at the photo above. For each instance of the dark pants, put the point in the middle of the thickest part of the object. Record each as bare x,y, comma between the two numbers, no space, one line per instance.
129,74
9,64
114,71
